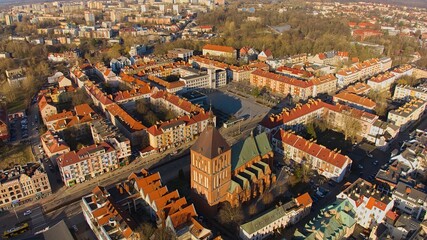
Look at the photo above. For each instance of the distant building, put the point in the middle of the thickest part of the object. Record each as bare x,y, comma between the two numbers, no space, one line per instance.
4,122
219,51
182,53
16,76
89,17
405,92
279,217
23,183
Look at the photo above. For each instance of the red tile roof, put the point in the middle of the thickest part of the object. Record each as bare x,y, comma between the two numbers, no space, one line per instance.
353,98
219,48
304,200
280,78
372,202
74,157
312,148
121,114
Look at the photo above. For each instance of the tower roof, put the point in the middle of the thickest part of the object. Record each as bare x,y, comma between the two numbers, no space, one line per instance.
210,143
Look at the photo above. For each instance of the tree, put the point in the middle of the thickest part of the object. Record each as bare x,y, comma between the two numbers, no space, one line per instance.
351,126
229,215
253,210
267,198
311,130
80,97
302,172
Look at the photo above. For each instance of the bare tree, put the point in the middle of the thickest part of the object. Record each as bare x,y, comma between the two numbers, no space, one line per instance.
351,127
229,215
253,209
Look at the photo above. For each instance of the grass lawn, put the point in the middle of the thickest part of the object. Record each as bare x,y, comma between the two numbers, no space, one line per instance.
15,154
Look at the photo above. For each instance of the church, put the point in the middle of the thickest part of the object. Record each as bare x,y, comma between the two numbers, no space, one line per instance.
220,172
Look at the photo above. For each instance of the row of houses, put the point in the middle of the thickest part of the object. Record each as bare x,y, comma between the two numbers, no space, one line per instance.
111,212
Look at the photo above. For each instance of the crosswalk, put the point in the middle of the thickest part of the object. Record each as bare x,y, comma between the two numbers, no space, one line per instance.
38,221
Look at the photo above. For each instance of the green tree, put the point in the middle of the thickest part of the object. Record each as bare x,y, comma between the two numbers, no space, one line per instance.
311,130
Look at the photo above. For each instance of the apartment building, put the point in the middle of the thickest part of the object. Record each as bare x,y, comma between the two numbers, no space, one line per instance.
196,79
382,82
4,122
182,53
22,184
86,163
336,221
408,113
331,164
370,205
414,154
81,114
219,51
410,200
359,88
277,218
355,101
335,115
405,92
16,76
103,131
360,71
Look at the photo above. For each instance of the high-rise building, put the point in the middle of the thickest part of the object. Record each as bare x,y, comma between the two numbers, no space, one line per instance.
9,19
89,17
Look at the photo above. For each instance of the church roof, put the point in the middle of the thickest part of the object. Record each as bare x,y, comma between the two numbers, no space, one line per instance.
248,149
210,143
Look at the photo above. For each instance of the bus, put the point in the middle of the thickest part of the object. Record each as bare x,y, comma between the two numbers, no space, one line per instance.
15,231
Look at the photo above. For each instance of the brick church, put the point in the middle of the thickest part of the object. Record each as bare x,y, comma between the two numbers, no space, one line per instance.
235,174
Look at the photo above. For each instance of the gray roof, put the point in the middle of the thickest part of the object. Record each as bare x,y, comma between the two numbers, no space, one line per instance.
210,143
57,231
409,193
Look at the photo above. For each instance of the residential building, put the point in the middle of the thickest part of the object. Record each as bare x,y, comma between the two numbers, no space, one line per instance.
219,51
402,226
55,77
81,114
86,163
64,82
360,71
21,184
410,200
359,88
277,218
333,58
335,115
235,174
15,77
404,116
414,153
53,146
103,131
167,208
405,92
355,101
106,218
195,79
389,177
382,82
335,222
182,53
331,164
370,205
265,55
46,108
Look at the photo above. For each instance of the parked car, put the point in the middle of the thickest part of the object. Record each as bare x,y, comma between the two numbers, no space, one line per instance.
28,212
375,163
360,166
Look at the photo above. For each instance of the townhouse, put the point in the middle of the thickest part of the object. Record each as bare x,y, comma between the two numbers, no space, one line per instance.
355,101
21,184
53,146
331,164
336,221
46,108
86,163
81,114
219,51
410,200
277,218
404,116
359,88
414,154
370,205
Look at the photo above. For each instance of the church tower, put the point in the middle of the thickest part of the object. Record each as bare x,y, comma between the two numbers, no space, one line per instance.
211,166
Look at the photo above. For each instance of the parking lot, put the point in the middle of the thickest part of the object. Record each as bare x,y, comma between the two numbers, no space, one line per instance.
235,105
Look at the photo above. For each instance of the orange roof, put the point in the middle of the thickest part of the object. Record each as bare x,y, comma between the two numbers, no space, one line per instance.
219,48
121,114
372,202
280,78
392,215
83,109
304,200
183,216
82,154
353,98
312,148
359,88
